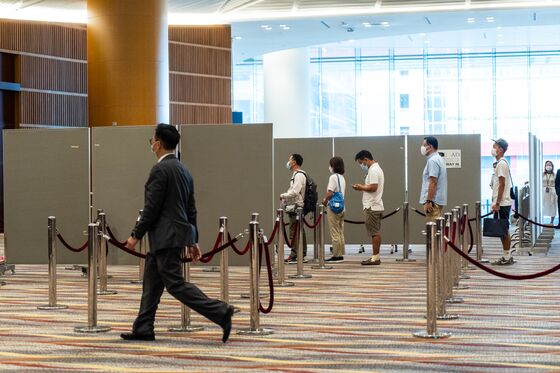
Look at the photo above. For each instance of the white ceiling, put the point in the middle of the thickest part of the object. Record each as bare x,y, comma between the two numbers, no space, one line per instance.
372,23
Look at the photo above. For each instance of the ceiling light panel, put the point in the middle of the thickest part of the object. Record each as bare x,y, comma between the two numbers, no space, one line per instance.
415,3
325,4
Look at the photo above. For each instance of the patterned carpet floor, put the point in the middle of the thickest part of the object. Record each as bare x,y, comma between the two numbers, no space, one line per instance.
351,318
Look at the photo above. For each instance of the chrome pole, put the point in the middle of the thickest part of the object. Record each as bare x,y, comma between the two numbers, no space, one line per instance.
102,262
52,267
478,233
321,238
442,283
452,267
142,250
92,327
300,274
186,326
457,259
281,280
224,261
464,242
431,284
316,254
406,234
254,328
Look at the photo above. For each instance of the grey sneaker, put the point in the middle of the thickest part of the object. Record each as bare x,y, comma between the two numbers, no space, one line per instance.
371,262
503,261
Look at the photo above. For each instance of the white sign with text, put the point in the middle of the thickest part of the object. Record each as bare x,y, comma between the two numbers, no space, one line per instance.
452,157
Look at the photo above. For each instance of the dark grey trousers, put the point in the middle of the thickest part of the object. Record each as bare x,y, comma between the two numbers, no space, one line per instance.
164,270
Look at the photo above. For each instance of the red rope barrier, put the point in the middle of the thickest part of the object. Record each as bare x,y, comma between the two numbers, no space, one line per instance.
471,236
213,252
110,233
312,226
264,246
274,232
237,251
382,218
76,250
501,274
482,217
418,212
216,245
118,245
537,224
354,221
287,241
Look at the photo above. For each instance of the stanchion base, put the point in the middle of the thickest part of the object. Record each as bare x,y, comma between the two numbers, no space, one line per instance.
136,282
54,307
322,267
407,260
92,329
437,335
258,331
484,260
454,300
107,292
300,277
73,267
447,317
460,287
464,277
186,329
283,284
211,269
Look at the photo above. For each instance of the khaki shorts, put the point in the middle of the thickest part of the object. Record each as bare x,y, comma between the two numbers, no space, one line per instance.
373,222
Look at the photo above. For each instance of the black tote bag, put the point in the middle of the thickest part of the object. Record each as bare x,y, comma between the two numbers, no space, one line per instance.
495,227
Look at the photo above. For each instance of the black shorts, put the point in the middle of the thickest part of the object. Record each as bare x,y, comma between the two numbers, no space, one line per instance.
504,213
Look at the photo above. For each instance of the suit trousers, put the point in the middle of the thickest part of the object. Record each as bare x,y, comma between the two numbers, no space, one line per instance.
163,269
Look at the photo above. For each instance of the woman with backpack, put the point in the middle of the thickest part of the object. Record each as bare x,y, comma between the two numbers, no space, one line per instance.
334,200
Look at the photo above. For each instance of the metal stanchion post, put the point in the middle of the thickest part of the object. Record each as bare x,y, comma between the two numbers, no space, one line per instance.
142,250
224,262
52,267
254,328
186,326
316,254
281,280
479,251
102,258
406,234
442,283
456,258
254,217
449,268
431,285
321,238
92,327
464,242
300,274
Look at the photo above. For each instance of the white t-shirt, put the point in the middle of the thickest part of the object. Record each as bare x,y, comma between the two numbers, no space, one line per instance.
501,170
333,184
373,200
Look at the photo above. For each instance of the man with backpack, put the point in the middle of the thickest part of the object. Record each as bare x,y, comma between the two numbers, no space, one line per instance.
294,198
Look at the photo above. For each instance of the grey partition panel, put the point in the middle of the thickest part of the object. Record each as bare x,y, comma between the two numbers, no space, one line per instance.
389,152
231,166
121,161
46,172
316,153
463,184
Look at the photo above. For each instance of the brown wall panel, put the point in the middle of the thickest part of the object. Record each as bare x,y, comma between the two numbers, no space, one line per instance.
199,60
54,75
217,36
53,109
199,89
190,114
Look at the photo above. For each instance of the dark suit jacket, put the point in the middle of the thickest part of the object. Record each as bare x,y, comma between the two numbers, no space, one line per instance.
169,209
557,183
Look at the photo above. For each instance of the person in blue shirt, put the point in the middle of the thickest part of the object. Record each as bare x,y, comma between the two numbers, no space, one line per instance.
434,180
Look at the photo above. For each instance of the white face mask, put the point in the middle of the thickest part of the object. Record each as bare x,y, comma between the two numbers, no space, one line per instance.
494,152
330,169
423,150
288,166
364,167
548,168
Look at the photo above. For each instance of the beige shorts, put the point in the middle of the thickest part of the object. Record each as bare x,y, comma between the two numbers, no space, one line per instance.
373,222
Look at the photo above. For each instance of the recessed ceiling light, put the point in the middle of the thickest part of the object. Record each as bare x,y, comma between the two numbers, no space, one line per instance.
385,24
499,35
427,41
286,27
238,38
351,41
470,20
422,34
268,28
490,19
282,26
264,26
499,28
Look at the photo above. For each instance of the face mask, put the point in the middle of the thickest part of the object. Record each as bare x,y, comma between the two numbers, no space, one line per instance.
423,150
288,166
548,168
494,152
330,169
152,147
364,167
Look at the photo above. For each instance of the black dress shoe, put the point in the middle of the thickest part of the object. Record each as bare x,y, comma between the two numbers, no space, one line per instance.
138,337
226,325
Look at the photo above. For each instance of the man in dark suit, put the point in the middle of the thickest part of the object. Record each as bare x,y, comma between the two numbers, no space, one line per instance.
170,217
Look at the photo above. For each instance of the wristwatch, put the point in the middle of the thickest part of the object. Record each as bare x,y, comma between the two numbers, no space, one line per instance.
429,201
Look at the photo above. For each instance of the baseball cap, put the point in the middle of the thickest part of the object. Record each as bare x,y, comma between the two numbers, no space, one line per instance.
502,143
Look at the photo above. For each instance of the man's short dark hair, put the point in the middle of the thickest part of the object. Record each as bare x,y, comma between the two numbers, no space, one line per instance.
432,141
363,154
167,135
337,165
298,159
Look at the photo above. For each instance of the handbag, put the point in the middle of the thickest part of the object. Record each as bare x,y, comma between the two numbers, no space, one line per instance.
336,203
495,227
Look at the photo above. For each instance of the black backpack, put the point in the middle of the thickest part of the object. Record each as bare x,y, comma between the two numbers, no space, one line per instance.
310,197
